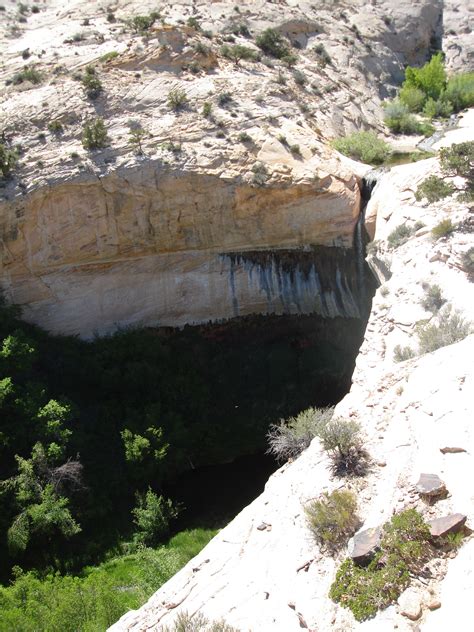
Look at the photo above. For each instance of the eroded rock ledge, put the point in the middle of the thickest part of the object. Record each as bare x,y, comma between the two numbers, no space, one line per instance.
149,246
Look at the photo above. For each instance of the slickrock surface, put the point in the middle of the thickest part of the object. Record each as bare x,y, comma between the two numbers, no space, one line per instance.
408,411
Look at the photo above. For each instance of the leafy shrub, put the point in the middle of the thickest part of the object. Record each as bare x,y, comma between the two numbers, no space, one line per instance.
433,189
399,120
413,98
177,99
94,134
399,235
8,160
272,43
400,354
460,91
403,549
435,109
343,441
152,517
26,74
91,83
364,146
444,228
449,327
288,439
430,78
433,299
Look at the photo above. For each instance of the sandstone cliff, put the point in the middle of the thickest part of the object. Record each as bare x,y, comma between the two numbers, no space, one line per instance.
93,240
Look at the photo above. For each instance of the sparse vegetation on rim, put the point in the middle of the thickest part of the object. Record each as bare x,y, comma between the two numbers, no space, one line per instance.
332,519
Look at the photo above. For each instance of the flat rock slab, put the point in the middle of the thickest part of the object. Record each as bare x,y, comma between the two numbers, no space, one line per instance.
364,545
430,485
440,527
452,450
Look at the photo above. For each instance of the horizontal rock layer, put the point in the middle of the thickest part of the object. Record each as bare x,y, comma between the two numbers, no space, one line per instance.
149,247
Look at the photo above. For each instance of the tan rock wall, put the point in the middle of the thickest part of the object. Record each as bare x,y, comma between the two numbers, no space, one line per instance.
143,246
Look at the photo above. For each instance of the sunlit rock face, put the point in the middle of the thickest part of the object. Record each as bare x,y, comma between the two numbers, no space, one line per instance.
158,247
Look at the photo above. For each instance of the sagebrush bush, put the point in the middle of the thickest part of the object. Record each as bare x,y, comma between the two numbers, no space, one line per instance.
399,120
94,134
444,228
403,550
288,439
400,354
333,519
433,299
342,439
399,235
177,99
28,74
449,327
364,146
260,173
197,623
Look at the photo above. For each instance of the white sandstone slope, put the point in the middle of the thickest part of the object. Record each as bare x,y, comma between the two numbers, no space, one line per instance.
262,572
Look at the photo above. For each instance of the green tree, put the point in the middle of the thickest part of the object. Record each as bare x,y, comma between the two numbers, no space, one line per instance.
430,78
152,517
42,511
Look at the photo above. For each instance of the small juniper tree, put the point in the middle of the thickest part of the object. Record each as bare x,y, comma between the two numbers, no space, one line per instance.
94,134
8,160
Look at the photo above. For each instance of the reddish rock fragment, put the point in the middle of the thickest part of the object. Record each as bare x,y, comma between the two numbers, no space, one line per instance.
439,527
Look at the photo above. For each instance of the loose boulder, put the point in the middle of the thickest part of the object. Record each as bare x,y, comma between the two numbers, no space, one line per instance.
440,527
364,545
431,486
